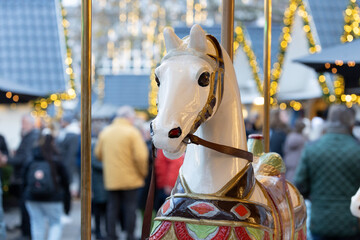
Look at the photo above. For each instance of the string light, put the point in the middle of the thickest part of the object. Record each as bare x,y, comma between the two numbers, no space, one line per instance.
140,46
295,6
189,12
8,94
283,106
352,21
297,106
241,41
351,32
200,14
16,98
196,12
158,46
284,42
40,105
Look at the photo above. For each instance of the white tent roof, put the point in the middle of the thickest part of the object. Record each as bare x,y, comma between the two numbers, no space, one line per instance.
297,81
244,75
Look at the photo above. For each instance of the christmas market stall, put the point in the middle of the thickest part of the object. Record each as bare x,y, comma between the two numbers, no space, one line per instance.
339,60
35,61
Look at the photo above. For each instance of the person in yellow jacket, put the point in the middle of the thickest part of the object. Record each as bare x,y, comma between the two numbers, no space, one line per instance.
124,154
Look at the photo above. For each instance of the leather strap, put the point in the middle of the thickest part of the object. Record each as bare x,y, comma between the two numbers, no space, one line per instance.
220,148
150,200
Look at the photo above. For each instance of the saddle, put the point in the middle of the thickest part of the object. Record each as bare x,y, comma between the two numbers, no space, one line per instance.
227,206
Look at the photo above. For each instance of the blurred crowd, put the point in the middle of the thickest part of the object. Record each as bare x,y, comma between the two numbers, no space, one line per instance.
322,157
121,169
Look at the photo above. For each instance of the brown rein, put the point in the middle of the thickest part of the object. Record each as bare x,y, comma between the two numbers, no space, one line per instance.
239,153
145,233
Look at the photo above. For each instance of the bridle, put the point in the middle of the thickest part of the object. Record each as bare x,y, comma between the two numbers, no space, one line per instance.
215,96
216,86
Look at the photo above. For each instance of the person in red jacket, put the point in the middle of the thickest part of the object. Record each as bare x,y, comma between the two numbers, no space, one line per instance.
166,171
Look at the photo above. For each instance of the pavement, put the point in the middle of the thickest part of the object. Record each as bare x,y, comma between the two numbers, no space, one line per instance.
72,224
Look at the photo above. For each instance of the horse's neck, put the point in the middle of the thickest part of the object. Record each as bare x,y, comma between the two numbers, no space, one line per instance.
207,171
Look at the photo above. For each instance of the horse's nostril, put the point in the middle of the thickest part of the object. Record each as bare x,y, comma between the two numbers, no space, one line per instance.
175,132
151,129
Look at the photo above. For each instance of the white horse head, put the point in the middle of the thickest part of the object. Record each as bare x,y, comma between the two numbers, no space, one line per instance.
186,82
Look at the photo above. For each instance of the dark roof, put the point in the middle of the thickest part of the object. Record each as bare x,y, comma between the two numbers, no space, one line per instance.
256,35
183,31
328,19
32,49
346,52
127,89
338,57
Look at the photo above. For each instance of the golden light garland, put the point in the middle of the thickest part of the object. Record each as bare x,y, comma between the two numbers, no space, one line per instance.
151,43
189,12
352,21
289,15
294,6
42,104
351,32
297,106
246,47
157,39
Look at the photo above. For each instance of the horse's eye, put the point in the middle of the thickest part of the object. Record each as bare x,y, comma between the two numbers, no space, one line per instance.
204,79
157,80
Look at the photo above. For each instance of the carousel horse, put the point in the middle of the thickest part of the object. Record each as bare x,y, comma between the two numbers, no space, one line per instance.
218,195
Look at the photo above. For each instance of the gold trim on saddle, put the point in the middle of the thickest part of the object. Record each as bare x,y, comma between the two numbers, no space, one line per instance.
226,208
241,186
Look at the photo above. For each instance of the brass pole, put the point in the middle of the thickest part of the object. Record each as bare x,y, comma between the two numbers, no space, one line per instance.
227,26
267,62
86,120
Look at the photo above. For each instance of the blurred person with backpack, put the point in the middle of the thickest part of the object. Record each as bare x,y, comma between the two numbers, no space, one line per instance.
3,154
46,189
22,156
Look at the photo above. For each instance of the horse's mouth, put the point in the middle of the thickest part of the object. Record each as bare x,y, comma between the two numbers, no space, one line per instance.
176,153
177,149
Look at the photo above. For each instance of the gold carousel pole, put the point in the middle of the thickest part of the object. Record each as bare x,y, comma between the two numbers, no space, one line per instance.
227,26
86,120
267,62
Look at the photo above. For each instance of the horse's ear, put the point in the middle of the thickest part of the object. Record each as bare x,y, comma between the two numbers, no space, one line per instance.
171,40
198,38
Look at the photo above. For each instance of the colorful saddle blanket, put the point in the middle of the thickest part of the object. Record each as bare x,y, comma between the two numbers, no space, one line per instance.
222,215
